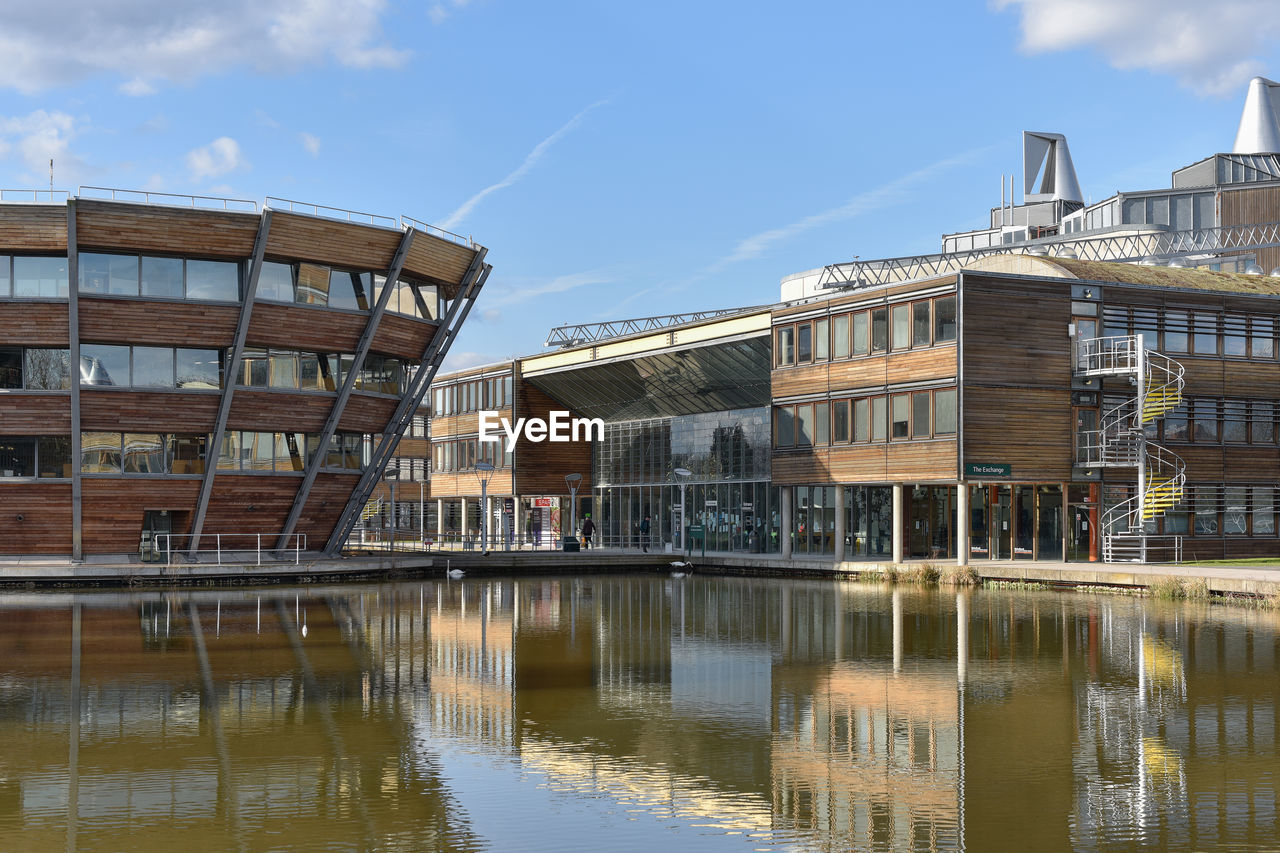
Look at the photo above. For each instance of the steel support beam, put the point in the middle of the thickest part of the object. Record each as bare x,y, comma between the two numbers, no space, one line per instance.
470,288
73,366
316,462
583,333
232,369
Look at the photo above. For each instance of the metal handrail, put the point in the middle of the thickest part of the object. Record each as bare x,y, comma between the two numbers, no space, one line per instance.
326,212
436,231
170,199
53,195
224,541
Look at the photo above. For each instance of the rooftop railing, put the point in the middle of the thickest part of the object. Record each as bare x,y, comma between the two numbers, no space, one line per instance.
207,202
327,212
436,231
34,196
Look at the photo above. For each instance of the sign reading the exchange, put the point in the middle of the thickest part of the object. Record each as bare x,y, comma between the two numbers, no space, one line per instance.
987,470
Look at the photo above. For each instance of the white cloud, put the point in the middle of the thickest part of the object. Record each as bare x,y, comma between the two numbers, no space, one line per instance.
1211,48
439,12
152,41
219,157
864,202
35,139
464,360
557,285
530,161
311,143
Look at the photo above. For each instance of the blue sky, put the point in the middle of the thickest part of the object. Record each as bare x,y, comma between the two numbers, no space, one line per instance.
623,160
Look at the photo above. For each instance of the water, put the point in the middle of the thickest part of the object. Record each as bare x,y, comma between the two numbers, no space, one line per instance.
634,714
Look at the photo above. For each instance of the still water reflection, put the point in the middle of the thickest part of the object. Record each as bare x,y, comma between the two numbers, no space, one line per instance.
633,713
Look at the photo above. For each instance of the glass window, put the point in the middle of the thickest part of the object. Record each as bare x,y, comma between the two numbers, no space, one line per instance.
229,452
116,274
804,424
840,336
17,457
187,453
290,450
6,286
43,370
1235,341
313,285
152,367
258,451
944,319
55,456
920,413
102,364
349,290
821,340
786,427
900,416
1205,340
1262,423
1206,509
821,424
100,453
1262,334
861,419
144,453
1175,426
284,369
860,329
1175,331
1264,510
10,367
786,346
198,368
162,277
42,278
215,280
1235,511
1235,422
880,330
901,326
944,412
879,418
804,343
1205,420
275,282
840,421
256,370
920,325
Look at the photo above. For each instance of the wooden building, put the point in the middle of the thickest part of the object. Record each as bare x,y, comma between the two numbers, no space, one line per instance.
188,378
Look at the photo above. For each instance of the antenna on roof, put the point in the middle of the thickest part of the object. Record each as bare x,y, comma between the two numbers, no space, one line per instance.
50,179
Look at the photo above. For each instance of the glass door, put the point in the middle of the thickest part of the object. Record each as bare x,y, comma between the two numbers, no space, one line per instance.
1049,523
1024,543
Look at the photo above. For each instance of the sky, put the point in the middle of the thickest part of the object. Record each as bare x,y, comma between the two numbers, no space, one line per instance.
618,160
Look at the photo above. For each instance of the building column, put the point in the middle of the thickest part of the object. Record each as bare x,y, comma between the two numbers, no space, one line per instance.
898,523
463,524
517,522
840,531
786,522
962,524
439,520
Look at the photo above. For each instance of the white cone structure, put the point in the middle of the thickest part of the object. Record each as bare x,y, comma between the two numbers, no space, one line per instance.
1050,151
1259,131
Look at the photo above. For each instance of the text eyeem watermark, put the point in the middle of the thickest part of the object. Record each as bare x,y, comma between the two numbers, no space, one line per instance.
560,426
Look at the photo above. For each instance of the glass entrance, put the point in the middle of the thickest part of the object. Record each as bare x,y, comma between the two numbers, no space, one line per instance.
1049,523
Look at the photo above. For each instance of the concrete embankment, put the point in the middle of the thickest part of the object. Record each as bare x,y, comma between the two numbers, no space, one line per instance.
34,572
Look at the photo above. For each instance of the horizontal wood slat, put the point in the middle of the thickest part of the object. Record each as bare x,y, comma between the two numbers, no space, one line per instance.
33,228
271,411
305,328
325,241
148,411
364,413
113,509
403,337
116,226
148,322
35,324
436,259
46,518
35,413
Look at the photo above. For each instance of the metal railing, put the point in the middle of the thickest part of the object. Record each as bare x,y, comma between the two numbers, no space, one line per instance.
326,212
585,333
21,196
1112,247
413,539
206,202
230,546
1142,548
436,231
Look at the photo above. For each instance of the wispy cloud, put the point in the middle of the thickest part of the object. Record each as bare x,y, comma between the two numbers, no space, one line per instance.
1211,48
36,138
559,284
871,200
219,157
311,143
529,162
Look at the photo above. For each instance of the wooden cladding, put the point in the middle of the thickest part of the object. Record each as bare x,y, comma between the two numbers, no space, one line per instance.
117,410
35,413
275,411
33,227
326,241
244,503
36,324
1016,332
927,365
365,413
403,337
45,510
436,259
113,510
911,462
155,323
310,329
325,502
1028,428
542,466
111,225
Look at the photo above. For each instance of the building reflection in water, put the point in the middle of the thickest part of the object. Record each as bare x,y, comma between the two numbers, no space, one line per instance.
827,716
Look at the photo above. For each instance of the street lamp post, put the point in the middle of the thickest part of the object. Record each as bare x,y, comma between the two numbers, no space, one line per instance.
572,481
484,470
683,474
392,474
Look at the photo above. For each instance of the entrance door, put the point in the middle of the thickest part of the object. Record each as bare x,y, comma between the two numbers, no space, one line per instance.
1024,543
1002,540
1049,523
157,525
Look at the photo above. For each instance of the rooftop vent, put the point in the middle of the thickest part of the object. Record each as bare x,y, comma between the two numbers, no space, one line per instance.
1148,261
1259,131
1048,152
1275,273
1038,251
1067,252
1179,263
1253,269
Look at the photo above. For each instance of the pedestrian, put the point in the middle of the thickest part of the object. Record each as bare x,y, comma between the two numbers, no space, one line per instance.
644,534
588,528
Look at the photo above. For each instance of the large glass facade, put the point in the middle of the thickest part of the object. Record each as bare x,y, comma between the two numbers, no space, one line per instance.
728,492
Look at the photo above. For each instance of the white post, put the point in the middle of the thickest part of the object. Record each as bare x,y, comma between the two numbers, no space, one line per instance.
897,523
786,522
962,524
259,549
840,531
484,515
683,523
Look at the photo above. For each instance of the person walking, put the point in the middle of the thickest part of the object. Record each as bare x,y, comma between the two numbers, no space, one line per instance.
644,534
588,528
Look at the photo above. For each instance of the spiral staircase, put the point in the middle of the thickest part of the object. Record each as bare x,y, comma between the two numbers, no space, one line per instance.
1121,440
